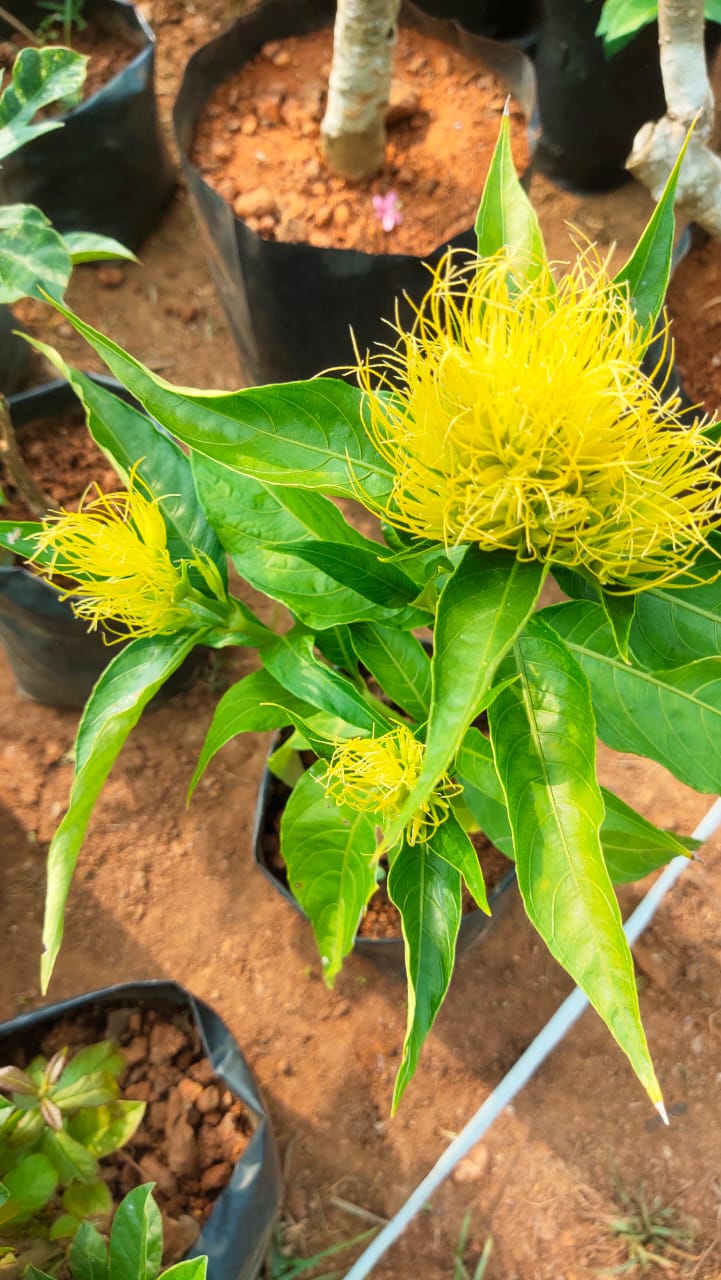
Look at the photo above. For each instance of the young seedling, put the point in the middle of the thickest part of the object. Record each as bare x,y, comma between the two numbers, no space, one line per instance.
651,1233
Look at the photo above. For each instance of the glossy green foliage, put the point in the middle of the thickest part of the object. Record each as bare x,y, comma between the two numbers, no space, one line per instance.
393,649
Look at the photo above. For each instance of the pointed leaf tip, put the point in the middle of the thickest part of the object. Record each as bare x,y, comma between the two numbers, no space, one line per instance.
662,1112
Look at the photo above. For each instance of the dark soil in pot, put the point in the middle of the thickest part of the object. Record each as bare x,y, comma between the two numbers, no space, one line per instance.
299,264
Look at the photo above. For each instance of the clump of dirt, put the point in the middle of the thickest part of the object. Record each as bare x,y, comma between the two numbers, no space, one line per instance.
258,146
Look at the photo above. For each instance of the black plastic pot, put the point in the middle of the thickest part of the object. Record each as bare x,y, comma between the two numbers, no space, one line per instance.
54,658
591,106
517,22
16,355
237,1233
107,169
387,953
291,306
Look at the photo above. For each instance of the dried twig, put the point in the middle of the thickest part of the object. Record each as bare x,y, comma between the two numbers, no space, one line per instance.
19,26
38,502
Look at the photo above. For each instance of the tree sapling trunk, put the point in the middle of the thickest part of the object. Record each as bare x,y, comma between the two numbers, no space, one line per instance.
353,129
688,96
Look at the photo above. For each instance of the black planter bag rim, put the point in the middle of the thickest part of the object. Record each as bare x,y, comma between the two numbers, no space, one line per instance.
55,659
237,1232
290,304
388,954
107,169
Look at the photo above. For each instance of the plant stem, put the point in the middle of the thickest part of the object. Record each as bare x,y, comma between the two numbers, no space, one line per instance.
19,26
688,95
38,502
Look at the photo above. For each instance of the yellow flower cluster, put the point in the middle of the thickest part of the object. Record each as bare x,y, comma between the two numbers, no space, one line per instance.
376,775
515,415
114,552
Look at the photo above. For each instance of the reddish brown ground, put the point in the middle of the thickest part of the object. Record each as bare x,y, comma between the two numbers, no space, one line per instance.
161,890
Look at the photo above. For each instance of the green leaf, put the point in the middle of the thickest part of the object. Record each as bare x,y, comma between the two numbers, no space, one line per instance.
426,889
620,611
455,846
633,846
39,78
87,246
136,1239
17,536
31,253
29,1186
671,716
89,1258
674,627
375,579
91,1090
255,704
106,1055
71,1159
125,436
544,743
114,707
482,609
292,661
329,852
253,522
105,1129
64,1227
648,269
88,1199
398,662
506,218
297,433
620,20
190,1269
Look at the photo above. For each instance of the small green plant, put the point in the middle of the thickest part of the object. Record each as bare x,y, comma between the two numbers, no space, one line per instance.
460,1267
282,1264
58,1119
32,252
651,1233
134,1251
65,14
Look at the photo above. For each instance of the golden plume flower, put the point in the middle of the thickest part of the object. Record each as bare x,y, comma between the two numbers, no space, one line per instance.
515,415
376,775
114,553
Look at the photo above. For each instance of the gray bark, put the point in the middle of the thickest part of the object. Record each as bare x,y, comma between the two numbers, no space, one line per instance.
353,129
688,95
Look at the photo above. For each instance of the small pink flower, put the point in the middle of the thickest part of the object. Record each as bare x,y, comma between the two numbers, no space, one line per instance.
388,210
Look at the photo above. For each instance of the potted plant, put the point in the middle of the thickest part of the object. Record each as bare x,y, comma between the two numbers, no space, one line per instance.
174,1048
264,277
379,937
31,248
599,81
586,471
107,170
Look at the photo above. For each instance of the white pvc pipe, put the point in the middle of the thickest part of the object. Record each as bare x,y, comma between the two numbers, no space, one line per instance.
545,1042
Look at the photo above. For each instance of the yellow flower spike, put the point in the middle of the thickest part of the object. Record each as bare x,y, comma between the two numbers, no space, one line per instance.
521,420
376,775
114,552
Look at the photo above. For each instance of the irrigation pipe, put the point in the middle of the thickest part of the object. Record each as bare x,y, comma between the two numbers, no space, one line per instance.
545,1042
